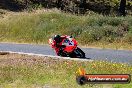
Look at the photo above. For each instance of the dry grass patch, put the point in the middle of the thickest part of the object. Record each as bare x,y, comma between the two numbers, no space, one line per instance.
23,71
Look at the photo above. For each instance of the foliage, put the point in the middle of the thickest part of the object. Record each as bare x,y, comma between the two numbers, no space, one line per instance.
37,27
75,6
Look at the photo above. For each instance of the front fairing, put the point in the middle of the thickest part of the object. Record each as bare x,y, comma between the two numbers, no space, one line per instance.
70,44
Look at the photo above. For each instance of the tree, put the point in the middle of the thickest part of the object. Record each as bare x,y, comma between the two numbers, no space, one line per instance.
82,6
122,8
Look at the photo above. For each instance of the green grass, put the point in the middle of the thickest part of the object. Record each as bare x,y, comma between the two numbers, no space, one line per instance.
37,27
20,71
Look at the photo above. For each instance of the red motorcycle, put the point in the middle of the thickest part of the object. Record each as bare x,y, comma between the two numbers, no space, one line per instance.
68,48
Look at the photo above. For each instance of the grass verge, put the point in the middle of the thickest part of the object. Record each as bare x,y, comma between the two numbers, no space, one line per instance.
23,71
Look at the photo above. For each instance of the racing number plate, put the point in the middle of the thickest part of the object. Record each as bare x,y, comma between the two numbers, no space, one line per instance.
67,42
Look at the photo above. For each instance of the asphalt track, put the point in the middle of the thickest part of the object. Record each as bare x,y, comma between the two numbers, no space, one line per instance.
119,56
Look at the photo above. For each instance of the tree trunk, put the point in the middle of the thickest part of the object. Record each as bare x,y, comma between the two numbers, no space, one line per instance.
82,6
122,8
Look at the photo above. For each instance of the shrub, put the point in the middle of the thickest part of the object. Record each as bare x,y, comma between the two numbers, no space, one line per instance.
123,28
128,39
91,35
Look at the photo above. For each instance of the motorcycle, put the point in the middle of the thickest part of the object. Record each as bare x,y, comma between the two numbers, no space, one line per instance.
68,48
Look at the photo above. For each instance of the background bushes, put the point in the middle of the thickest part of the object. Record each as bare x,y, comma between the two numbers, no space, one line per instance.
37,28
74,6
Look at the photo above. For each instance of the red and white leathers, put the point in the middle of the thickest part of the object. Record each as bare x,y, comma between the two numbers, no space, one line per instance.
57,45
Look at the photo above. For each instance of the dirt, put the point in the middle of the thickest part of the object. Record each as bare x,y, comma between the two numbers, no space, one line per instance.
7,59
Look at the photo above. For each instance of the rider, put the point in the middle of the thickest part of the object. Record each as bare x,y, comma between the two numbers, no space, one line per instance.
57,40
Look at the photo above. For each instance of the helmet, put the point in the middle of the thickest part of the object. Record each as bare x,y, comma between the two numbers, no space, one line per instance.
56,37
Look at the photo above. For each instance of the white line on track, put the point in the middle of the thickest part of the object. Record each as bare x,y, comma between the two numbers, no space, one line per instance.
41,55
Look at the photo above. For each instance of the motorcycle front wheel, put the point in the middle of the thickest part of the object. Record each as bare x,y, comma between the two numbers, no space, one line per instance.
78,53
